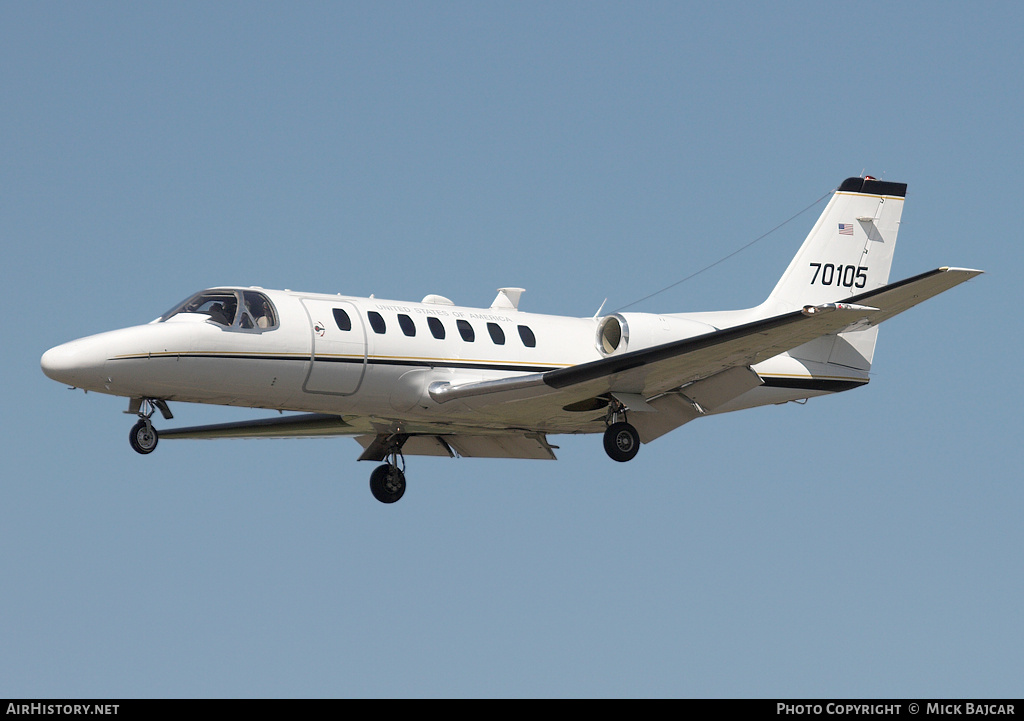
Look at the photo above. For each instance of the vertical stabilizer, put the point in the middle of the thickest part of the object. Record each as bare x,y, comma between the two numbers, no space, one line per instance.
848,252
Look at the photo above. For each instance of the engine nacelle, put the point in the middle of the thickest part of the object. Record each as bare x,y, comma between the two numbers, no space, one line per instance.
623,332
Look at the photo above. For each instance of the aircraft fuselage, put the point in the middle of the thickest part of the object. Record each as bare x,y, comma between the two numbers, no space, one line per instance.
365,357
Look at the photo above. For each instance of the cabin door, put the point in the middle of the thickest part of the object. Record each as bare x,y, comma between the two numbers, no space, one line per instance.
338,359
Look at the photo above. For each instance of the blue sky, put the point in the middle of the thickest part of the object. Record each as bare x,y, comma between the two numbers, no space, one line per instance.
863,545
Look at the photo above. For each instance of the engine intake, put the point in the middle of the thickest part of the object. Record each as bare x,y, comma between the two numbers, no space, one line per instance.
622,332
612,335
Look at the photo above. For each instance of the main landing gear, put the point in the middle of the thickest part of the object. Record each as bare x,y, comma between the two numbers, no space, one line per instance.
621,441
387,482
143,436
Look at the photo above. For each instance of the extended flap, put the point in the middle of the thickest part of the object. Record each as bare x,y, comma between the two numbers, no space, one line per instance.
721,388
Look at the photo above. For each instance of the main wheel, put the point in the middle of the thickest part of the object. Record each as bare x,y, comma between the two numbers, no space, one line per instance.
621,442
143,438
387,483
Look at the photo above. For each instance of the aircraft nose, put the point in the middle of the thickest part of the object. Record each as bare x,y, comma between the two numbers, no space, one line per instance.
78,363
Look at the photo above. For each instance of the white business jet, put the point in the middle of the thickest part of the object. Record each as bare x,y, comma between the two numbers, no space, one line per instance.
433,378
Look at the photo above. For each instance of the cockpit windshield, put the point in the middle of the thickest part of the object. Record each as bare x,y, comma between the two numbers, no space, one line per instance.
247,309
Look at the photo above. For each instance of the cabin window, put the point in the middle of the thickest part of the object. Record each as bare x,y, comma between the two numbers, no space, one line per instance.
527,336
436,327
406,324
376,321
465,330
342,319
497,334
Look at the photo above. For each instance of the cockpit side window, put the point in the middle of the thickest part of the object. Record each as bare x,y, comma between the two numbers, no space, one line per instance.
255,312
221,307
259,312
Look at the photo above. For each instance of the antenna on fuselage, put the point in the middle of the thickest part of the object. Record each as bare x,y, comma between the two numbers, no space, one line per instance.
601,308
508,298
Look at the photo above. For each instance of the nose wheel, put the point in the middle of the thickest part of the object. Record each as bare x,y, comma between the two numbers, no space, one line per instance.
143,436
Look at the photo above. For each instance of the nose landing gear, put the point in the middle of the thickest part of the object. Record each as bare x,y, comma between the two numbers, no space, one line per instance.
143,436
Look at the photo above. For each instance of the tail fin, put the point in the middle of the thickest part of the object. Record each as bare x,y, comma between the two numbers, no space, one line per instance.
849,249
848,252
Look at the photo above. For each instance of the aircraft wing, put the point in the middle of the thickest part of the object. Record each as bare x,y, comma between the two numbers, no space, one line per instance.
508,444
465,443
306,425
651,371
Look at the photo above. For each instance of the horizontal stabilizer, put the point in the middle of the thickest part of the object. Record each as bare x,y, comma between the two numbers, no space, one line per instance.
893,299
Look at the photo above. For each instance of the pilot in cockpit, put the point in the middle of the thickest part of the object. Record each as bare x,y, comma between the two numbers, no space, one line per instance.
223,313
264,316
217,313
230,305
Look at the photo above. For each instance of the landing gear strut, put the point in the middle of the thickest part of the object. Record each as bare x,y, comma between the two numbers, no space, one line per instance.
621,441
387,482
143,436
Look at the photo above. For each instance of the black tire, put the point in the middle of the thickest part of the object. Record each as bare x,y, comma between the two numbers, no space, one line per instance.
387,483
143,438
621,442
